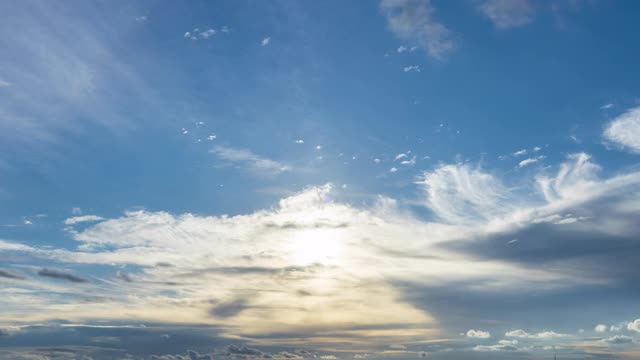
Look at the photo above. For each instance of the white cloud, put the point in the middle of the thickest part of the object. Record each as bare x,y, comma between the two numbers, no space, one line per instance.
530,161
4,83
141,18
600,328
414,20
409,162
400,156
478,334
265,41
536,149
247,159
211,137
377,161
502,345
84,218
411,68
606,106
299,141
76,211
541,335
507,14
624,131
634,325
463,194
520,152
393,169
526,162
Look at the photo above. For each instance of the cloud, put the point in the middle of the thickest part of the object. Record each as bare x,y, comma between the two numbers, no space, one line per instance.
502,345
400,156
529,161
266,41
245,351
618,339
541,335
478,334
230,308
507,14
463,194
9,275
600,328
411,68
61,275
84,218
634,325
624,131
246,159
520,152
299,141
198,34
393,169
414,20
4,83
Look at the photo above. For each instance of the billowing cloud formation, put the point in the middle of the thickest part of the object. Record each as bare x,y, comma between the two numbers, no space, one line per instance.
414,20
624,131
301,269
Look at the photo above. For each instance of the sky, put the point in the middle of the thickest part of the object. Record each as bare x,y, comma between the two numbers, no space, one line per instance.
331,180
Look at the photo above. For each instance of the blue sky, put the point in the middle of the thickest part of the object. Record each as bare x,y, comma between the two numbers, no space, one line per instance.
349,180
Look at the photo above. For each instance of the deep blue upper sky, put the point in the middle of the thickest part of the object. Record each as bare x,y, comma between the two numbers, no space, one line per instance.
333,134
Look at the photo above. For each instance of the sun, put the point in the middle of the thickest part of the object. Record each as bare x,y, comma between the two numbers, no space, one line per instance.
312,246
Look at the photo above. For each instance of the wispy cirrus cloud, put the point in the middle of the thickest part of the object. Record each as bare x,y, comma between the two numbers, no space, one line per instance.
507,14
244,158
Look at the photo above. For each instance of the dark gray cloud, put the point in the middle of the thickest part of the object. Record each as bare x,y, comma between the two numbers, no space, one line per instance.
9,275
61,275
229,308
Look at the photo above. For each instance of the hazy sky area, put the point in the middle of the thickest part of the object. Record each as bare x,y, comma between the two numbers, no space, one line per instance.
319,180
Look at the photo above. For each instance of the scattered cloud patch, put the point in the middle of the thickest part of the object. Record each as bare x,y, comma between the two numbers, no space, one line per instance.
624,131
247,159
505,14
83,218
414,20
478,334
411,68
266,41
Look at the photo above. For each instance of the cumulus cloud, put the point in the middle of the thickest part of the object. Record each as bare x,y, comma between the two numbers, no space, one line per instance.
507,14
478,334
634,325
266,41
246,159
624,131
414,20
